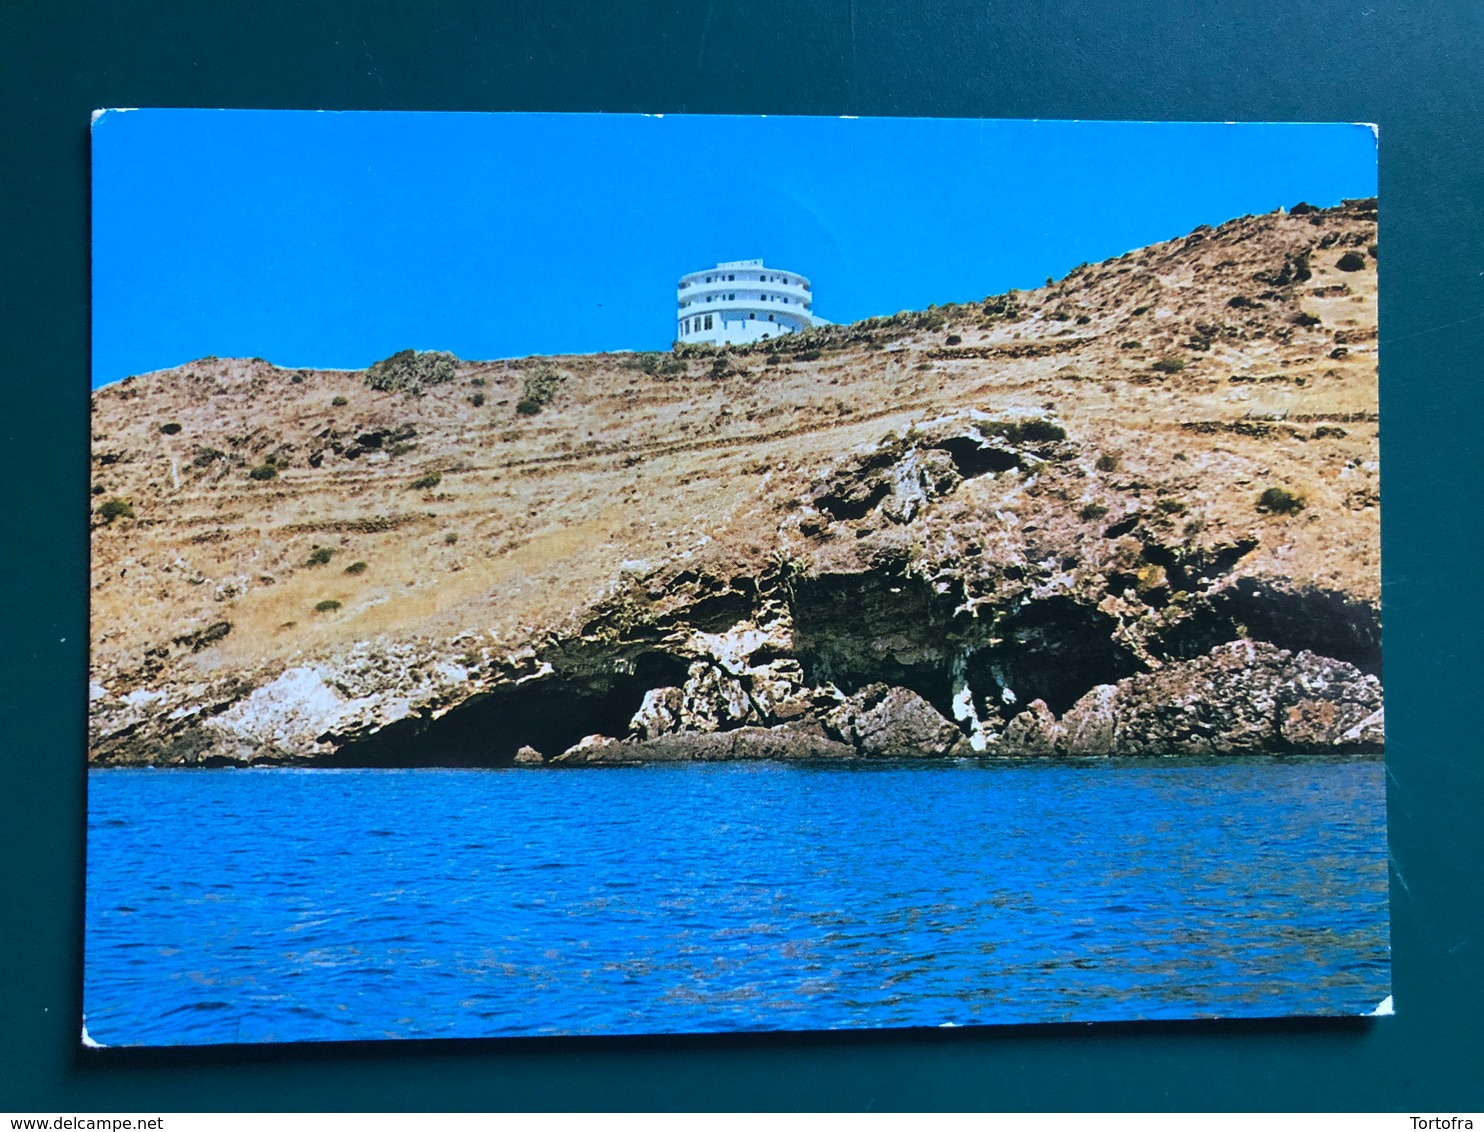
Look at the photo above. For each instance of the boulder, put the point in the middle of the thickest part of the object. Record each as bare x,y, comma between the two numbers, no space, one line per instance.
1034,731
592,749
885,722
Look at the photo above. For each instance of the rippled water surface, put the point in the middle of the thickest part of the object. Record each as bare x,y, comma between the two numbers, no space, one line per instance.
287,905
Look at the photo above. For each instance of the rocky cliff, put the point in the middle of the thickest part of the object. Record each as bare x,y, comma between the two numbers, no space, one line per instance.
1132,512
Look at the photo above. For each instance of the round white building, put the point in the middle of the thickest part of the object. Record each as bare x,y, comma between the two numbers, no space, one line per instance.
742,300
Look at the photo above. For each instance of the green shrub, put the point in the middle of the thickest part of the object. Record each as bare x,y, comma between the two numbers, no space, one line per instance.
329,605
1280,501
170,429
953,340
1092,511
1107,462
477,382
339,402
320,555
538,388
297,379
116,509
1168,365
1304,318
807,356
450,538
1035,429
263,472
400,449
411,371
1351,261
672,366
477,400
1131,344
427,482
356,568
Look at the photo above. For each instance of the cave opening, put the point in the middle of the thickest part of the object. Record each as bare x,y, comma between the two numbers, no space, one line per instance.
1056,650
487,730
852,630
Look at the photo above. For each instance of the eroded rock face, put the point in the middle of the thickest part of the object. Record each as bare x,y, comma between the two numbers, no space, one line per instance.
883,722
1054,625
1245,697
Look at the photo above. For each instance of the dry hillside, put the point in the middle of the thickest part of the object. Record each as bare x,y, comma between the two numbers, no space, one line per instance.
1093,487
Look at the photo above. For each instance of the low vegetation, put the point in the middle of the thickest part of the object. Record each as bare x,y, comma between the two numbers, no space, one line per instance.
329,605
356,568
538,389
320,555
427,482
412,372
116,509
263,472
1280,501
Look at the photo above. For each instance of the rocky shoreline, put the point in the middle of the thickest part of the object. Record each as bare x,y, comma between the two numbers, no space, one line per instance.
1134,513
1106,652
1243,698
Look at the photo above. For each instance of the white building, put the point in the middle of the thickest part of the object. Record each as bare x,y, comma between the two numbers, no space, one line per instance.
742,300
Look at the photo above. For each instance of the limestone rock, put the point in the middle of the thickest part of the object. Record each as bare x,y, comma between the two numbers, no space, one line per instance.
529,756
916,479
1243,697
1034,731
589,749
797,742
885,722
659,713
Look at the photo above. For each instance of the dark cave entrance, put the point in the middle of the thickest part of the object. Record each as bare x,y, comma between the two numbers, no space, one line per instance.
487,730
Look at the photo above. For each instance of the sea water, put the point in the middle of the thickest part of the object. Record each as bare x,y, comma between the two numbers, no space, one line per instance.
292,904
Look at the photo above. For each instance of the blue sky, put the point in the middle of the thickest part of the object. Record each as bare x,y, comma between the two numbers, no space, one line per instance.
335,239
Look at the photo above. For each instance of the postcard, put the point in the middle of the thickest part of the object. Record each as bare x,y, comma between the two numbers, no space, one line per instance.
623,574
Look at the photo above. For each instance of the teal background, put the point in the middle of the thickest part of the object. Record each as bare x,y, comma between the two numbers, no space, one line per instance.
1415,69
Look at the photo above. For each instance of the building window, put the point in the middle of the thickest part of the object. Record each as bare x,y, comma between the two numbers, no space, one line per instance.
771,319
708,322
730,278
730,298
752,314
